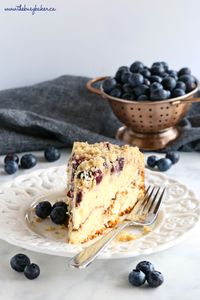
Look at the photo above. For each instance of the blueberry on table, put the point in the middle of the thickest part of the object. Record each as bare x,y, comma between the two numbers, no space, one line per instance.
109,84
11,167
58,215
136,67
52,154
32,271
164,164
155,78
61,204
137,278
28,161
184,71
136,79
169,83
174,156
115,93
180,85
152,161
155,278
11,156
177,93
19,262
145,267
43,209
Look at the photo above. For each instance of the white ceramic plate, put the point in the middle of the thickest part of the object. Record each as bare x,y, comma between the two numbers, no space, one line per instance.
180,213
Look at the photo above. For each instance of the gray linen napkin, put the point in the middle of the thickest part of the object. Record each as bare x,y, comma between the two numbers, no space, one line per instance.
61,111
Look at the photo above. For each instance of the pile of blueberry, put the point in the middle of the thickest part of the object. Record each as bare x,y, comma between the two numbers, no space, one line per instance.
145,271
163,164
138,82
21,263
27,161
58,212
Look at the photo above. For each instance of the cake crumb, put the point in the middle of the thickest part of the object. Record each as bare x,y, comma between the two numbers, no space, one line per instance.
125,236
50,228
146,229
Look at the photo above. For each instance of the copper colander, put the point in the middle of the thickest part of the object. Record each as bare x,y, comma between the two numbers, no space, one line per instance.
151,125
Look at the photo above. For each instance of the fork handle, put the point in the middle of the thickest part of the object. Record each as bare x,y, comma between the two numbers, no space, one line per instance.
87,255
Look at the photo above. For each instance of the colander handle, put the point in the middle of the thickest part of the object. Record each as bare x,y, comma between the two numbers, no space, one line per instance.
92,81
191,100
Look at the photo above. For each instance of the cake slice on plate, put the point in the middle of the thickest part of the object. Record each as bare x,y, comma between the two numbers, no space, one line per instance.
105,182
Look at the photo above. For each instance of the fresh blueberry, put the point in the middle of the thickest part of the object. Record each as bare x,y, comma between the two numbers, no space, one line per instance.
19,262
143,97
141,90
127,88
11,156
154,278
61,204
180,85
146,73
146,81
28,161
136,79
164,164
125,76
145,267
177,93
155,86
190,86
11,167
152,161
157,70
128,96
159,94
165,75
136,67
173,156
165,65
52,154
32,271
137,278
109,84
58,215
187,78
184,71
43,209
169,83
155,78
172,73
115,93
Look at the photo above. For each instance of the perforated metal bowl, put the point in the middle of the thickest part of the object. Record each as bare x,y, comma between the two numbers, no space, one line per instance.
151,125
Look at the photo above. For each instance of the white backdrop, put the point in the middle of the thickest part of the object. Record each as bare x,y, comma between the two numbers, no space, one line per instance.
94,37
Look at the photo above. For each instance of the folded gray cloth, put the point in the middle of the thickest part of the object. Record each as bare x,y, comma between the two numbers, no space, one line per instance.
62,111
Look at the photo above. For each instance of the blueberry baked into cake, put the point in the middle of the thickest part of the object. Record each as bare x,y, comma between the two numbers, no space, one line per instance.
105,182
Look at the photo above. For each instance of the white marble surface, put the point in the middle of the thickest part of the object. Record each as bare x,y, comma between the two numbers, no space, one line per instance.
107,279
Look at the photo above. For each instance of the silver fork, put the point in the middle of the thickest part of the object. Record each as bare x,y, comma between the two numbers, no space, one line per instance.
148,208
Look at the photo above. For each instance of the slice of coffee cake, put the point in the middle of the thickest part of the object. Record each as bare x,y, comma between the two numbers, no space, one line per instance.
105,181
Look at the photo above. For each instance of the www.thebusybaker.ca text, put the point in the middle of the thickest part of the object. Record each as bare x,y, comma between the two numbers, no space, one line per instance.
32,9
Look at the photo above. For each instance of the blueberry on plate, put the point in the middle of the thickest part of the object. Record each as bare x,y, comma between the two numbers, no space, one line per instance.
184,71
19,262
145,267
174,156
52,154
143,97
136,67
11,167
32,271
136,79
115,93
136,278
109,84
11,156
58,215
177,93
152,161
43,209
169,83
164,164
180,85
61,204
28,161
155,78
155,278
